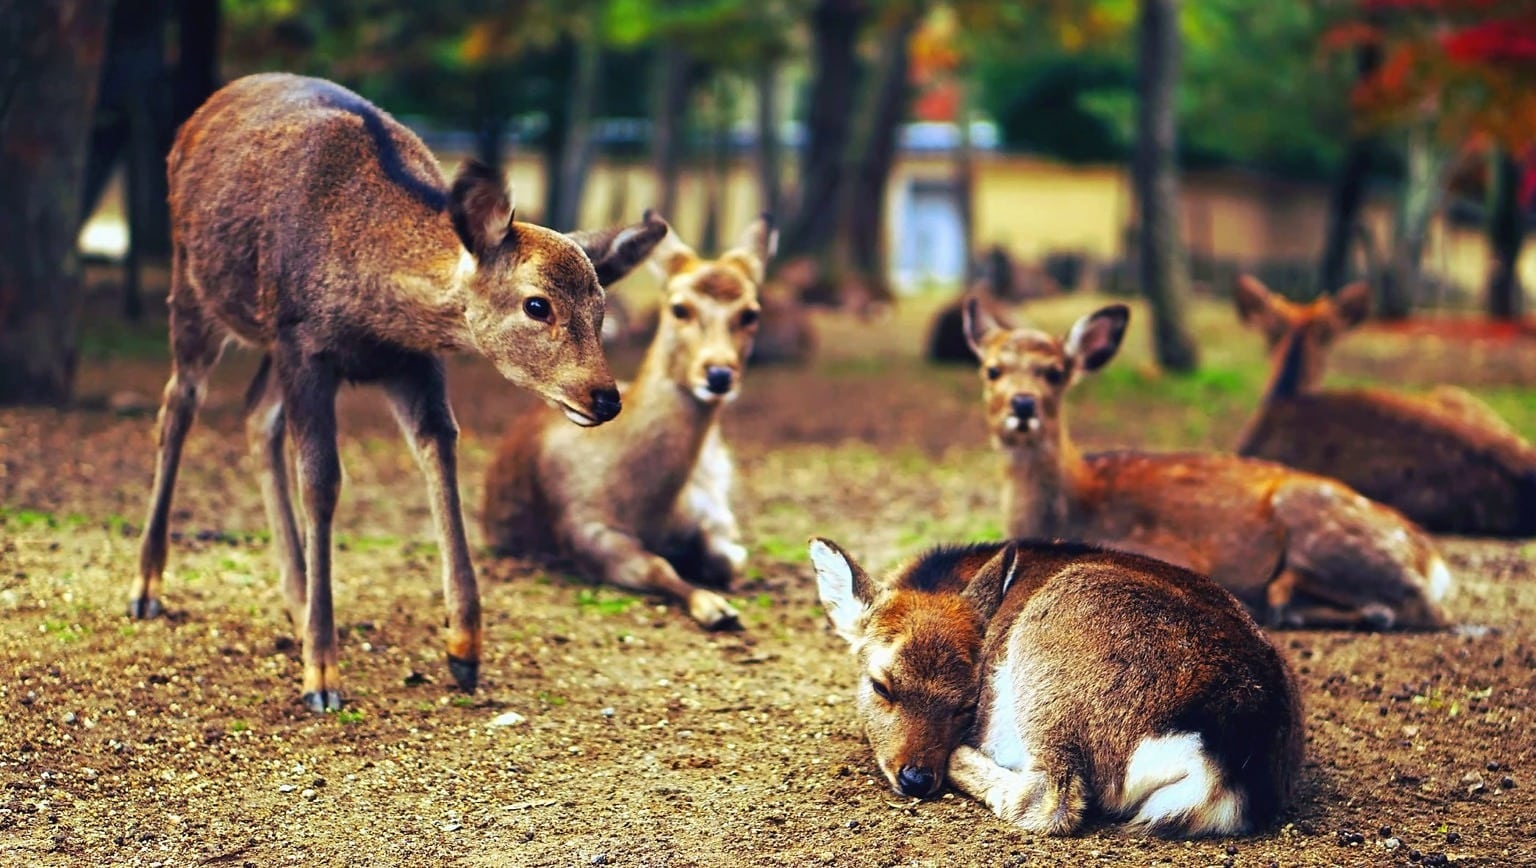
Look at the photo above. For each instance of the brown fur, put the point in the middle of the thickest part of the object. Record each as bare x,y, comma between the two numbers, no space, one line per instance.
1446,460
1104,650
1295,548
643,502
307,222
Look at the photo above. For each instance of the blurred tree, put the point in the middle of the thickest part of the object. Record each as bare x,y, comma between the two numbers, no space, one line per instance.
1506,233
1162,266
50,60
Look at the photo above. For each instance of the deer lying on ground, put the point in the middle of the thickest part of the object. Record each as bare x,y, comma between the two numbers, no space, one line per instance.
1446,460
309,223
1297,549
1051,679
643,502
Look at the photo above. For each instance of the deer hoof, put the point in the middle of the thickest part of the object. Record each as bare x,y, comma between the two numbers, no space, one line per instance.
144,608
320,701
712,611
466,673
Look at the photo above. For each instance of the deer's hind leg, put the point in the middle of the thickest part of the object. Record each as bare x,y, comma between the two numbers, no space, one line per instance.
619,558
419,398
197,340
264,428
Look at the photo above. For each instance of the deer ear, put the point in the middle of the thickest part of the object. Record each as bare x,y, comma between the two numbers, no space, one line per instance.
1259,308
1353,303
990,584
1095,338
616,251
480,203
978,321
671,254
755,247
845,589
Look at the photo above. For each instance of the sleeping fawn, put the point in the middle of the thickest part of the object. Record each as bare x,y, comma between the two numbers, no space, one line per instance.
1446,460
1297,549
642,503
1051,680
307,222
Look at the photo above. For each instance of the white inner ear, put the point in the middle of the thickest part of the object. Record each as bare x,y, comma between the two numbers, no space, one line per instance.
834,582
668,247
1079,333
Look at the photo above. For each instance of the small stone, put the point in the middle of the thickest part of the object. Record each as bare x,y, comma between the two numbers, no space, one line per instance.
607,712
1392,843
1507,782
286,788
1231,849
1453,837
308,795
70,717
599,859
1414,855
1493,765
1474,782
450,827
1385,831
508,718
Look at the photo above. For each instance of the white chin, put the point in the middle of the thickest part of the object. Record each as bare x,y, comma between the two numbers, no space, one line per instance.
705,396
575,415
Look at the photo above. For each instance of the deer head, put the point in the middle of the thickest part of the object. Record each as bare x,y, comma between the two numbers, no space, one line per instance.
710,311
1025,372
1300,335
533,298
918,652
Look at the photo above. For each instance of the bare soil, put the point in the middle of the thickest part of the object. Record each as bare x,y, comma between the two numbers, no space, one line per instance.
641,740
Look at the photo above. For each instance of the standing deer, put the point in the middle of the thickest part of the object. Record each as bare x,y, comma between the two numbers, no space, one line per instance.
1051,679
309,223
1446,460
643,502
1297,549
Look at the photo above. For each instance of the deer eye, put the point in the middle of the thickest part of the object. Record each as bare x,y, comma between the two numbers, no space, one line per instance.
1054,376
749,318
537,308
882,691
681,311
994,372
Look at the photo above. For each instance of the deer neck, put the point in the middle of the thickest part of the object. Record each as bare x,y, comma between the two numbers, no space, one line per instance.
425,311
664,424
1044,478
1294,371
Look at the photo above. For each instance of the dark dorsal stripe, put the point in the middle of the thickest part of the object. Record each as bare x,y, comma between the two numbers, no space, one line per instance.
937,566
425,192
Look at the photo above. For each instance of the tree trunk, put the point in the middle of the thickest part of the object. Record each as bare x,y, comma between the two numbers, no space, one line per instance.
1164,272
965,174
674,84
1423,188
1506,232
197,66
579,142
769,153
50,62
1349,190
835,26
869,167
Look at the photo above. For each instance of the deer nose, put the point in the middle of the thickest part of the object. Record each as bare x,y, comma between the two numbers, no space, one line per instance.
1023,406
913,781
605,403
718,379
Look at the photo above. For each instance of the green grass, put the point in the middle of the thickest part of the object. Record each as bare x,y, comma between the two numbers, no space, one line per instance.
110,337
350,715
596,601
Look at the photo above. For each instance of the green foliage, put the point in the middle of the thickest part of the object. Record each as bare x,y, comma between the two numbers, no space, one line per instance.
599,602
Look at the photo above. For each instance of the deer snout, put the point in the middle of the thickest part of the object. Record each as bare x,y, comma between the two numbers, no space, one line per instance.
719,379
605,403
916,781
1023,406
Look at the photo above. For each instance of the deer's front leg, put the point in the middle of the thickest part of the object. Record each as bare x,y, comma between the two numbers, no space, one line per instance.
309,396
419,398
621,559
1052,803
704,508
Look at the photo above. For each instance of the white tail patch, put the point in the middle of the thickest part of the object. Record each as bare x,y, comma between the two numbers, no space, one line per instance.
1172,784
1441,584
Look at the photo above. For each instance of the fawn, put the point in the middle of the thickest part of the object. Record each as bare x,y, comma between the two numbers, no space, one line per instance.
1446,460
307,222
1296,548
643,501
1051,679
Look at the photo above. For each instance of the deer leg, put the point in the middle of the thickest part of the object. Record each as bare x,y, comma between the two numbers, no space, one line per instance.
709,548
264,427
419,398
309,399
1047,801
195,348
620,559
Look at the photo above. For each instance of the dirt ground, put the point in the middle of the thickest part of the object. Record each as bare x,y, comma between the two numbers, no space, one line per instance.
608,729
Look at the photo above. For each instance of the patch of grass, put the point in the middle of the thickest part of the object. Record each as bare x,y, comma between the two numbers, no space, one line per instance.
369,543
426,707
238,726
462,701
27,519
551,699
595,601
103,338
127,630
64,631
783,549
350,715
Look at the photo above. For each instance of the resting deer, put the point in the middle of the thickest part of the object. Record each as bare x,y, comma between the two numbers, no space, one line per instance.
1446,460
1297,549
309,223
1049,680
643,502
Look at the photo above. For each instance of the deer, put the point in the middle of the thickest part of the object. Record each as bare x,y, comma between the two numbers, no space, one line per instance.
1056,681
1445,459
309,224
1297,549
643,502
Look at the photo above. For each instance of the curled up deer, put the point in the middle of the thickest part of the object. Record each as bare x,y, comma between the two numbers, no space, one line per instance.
1445,459
1295,548
1058,681
310,224
643,502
